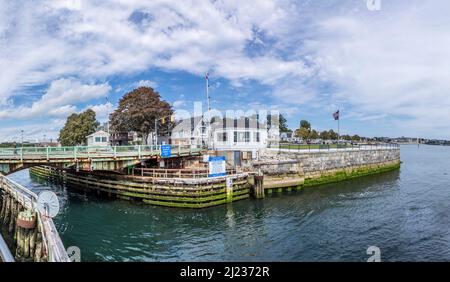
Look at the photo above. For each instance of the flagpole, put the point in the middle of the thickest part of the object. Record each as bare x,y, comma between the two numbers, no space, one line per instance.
207,92
339,134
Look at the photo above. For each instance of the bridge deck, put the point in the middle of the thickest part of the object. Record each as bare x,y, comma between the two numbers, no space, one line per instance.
38,154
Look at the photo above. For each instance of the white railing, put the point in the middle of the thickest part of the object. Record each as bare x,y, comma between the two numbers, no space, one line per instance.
80,152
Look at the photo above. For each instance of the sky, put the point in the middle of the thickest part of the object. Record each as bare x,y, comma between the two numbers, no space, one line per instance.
384,64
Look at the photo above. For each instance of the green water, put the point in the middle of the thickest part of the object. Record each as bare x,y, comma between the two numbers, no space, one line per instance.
404,212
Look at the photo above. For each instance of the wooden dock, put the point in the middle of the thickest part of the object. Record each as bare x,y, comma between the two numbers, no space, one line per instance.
178,188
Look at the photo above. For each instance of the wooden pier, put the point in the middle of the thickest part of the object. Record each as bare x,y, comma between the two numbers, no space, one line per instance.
163,187
30,236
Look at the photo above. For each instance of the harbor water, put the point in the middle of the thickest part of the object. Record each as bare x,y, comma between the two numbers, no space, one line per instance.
405,213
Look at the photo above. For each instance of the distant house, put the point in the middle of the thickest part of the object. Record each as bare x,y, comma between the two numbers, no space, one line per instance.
244,133
98,138
190,131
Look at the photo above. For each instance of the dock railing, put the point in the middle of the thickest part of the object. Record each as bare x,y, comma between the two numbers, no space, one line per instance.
52,244
175,173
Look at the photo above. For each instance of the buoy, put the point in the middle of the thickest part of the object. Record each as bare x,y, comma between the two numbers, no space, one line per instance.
26,220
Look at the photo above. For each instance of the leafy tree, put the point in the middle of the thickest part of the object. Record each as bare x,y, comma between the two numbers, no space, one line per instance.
305,124
314,134
356,138
283,124
324,135
346,137
138,110
303,133
332,135
77,127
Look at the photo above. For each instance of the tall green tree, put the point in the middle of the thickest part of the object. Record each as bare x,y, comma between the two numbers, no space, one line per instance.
283,124
304,131
138,110
77,128
305,124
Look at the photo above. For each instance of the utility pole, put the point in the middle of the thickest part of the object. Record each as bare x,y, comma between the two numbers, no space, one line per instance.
156,131
21,138
208,100
207,124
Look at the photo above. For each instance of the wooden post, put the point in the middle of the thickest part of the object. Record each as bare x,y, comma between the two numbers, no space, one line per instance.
258,187
25,239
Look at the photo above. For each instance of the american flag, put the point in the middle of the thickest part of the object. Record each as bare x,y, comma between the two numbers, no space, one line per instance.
336,115
206,76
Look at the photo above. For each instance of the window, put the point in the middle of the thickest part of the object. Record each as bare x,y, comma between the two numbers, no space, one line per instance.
104,139
256,137
247,122
242,137
247,136
97,139
222,136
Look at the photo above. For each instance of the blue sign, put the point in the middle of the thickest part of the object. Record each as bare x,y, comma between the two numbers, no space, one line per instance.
217,166
166,151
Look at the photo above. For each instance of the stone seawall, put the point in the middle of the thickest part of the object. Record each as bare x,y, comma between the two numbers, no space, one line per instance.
282,168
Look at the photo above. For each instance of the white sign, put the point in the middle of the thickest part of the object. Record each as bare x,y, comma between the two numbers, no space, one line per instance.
217,166
229,182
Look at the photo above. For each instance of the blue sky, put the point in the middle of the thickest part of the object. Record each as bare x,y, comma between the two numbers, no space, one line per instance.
386,69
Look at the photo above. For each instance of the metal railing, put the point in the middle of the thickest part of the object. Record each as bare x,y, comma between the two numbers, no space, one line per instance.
80,152
5,254
51,241
332,147
175,173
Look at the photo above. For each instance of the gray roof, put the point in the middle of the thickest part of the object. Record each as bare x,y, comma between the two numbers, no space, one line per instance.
218,123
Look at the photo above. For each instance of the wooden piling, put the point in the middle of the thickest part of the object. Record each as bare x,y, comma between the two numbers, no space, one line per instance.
26,230
258,187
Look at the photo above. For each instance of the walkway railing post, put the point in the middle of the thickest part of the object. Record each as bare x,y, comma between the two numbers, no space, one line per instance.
115,151
139,151
21,154
75,152
48,153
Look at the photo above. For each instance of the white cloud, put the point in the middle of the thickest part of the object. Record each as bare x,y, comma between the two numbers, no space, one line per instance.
59,100
44,42
179,103
391,63
102,111
147,83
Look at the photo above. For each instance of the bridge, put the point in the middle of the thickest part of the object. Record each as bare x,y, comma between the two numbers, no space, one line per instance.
87,157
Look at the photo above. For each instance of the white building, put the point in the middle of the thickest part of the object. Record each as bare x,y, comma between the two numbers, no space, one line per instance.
244,133
98,138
